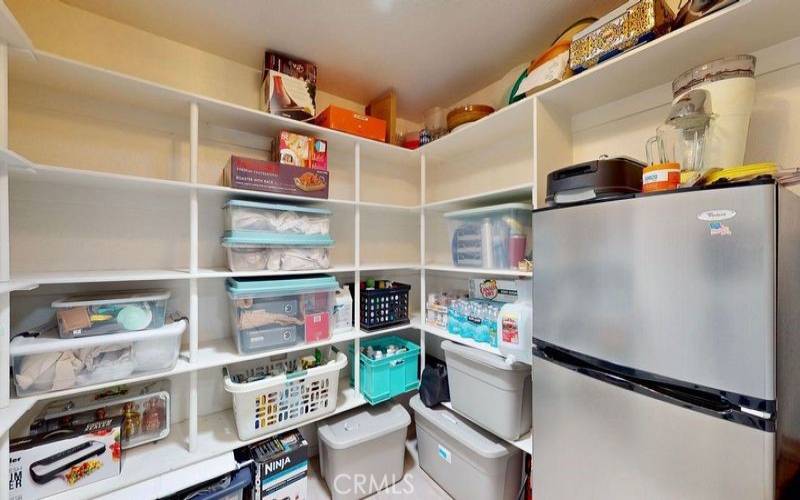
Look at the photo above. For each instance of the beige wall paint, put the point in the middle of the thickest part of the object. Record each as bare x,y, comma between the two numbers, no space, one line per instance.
78,34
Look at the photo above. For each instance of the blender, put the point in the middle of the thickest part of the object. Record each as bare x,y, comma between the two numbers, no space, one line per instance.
728,87
679,143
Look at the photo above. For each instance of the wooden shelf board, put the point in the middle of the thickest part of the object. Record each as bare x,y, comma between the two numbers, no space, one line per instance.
519,193
444,334
216,435
741,28
100,83
100,276
510,121
478,270
222,272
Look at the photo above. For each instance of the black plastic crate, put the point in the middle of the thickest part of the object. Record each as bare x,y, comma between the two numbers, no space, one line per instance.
384,307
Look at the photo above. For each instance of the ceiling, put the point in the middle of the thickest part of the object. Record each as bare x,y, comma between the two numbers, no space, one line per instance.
433,52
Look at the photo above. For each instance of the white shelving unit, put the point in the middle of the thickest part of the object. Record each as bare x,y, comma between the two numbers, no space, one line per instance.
504,157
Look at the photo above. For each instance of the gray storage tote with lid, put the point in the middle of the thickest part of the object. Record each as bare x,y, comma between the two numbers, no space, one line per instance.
489,391
363,451
466,461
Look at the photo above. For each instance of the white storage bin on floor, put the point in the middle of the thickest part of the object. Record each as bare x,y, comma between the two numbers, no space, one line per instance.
495,237
465,460
255,251
489,391
363,451
43,364
264,403
242,215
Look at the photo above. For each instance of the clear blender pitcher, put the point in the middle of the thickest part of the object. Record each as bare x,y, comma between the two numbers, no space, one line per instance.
681,139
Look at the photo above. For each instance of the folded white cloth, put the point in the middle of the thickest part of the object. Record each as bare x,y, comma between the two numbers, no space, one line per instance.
60,370
48,371
283,222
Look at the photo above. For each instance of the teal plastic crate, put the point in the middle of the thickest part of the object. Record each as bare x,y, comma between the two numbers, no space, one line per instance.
383,379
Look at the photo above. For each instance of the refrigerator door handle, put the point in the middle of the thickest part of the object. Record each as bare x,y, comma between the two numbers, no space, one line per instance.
685,397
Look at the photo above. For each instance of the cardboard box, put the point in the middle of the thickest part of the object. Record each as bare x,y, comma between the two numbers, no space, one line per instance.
492,289
631,24
274,177
286,96
385,108
281,467
91,452
344,120
292,66
301,151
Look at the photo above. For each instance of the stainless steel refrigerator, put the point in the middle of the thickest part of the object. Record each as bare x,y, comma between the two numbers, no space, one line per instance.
667,346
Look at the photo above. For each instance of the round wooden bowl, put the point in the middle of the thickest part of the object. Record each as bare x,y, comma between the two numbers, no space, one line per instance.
461,115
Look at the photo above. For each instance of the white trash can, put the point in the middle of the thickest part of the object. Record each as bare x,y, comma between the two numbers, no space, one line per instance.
489,391
362,452
465,460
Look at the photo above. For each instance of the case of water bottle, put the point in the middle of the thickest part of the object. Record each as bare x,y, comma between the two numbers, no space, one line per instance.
474,319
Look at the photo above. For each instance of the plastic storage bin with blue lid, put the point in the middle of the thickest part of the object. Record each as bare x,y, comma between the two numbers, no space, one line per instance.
495,237
259,251
245,215
270,313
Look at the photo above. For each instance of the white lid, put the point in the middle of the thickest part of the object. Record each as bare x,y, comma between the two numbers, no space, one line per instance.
457,427
23,346
483,357
118,297
354,428
473,212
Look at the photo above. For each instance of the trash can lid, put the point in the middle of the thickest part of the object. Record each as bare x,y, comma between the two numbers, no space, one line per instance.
354,428
459,428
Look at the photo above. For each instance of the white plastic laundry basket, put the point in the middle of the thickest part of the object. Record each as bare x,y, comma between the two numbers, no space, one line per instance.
281,401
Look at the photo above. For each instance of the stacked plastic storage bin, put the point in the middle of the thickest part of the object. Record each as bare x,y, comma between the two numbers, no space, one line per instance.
271,313
389,367
273,237
101,338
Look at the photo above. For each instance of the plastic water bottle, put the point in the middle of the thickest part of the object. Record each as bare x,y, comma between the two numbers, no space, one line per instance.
515,325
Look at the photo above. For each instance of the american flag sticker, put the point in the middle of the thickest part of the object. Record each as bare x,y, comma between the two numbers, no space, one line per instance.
719,229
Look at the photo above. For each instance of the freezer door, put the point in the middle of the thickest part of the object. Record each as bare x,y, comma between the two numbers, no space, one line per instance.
681,285
595,440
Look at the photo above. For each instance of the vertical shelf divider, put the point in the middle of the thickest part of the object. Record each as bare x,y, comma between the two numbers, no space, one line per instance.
422,284
357,274
194,313
5,272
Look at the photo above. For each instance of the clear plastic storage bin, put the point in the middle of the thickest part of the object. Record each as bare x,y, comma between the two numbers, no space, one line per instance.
241,215
272,313
496,237
111,312
254,251
43,364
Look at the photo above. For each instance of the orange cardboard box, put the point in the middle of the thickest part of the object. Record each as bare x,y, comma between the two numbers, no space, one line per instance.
344,120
